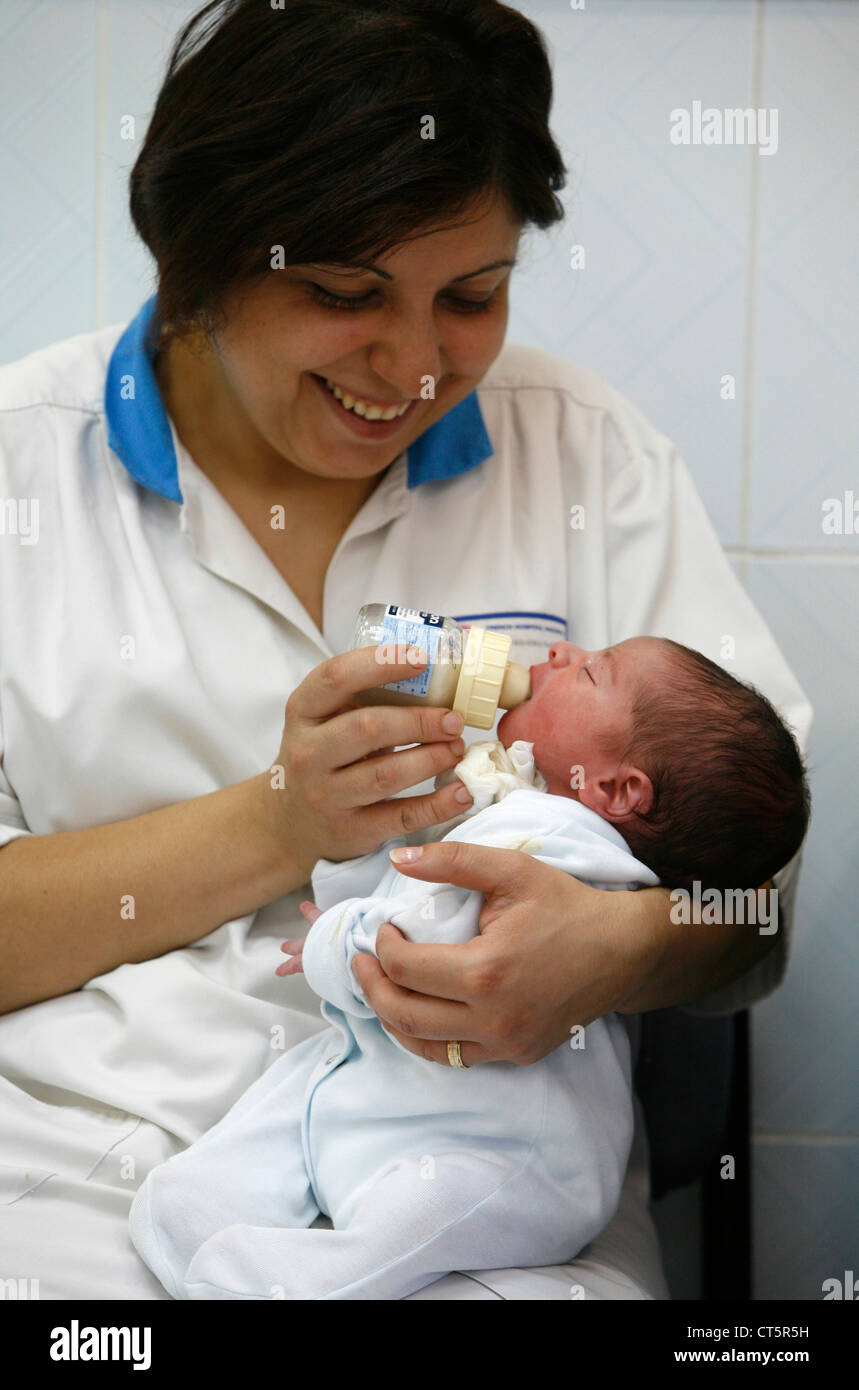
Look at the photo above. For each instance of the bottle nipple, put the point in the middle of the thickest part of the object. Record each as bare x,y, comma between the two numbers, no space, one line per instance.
516,685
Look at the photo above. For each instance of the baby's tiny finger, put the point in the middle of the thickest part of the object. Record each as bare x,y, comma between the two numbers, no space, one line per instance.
291,947
290,967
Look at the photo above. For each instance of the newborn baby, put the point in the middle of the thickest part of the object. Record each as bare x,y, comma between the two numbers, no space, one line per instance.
640,763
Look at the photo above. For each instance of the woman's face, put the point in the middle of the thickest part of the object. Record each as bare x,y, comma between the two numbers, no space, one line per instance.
436,307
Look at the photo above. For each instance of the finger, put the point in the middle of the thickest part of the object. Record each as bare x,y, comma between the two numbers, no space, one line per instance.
291,967
486,868
472,1054
414,1015
331,684
309,911
431,968
402,814
292,948
367,729
375,779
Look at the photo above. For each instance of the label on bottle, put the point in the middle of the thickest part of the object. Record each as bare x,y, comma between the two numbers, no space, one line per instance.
417,629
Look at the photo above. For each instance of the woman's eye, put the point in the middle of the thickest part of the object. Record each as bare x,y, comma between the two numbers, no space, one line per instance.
336,301
471,306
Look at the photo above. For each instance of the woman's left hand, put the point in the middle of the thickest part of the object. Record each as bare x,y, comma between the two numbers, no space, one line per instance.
552,953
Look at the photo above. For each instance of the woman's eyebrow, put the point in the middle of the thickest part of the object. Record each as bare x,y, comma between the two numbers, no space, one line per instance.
494,265
353,266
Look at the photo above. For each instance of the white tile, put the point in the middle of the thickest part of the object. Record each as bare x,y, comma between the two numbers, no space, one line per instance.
139,37
47,172
805,433
660,308
805,1217
806,426
806,1036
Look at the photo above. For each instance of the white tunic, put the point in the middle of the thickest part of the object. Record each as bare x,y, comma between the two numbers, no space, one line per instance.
147,648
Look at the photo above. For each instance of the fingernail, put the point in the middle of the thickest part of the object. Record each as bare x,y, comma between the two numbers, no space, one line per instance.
407,854
452,723
416,656
462,794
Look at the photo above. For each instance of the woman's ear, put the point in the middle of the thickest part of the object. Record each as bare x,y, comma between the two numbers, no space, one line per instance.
617,798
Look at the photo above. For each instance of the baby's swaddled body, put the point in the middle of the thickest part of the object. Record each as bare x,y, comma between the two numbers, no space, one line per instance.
423,1169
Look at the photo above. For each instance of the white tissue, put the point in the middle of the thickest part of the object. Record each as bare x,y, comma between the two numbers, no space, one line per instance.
491,772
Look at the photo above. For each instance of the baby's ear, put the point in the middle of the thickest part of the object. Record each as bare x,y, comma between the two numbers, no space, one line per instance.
643,792
635,793
626,793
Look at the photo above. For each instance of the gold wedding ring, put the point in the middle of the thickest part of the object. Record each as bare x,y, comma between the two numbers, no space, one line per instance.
454,1056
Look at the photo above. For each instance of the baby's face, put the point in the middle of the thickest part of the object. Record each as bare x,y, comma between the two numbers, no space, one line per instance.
580,710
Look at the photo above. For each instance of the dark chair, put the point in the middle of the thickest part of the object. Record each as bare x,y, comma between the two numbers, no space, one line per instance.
692,1076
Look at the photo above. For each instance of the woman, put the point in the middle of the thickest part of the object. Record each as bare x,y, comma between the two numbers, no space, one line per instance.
334,195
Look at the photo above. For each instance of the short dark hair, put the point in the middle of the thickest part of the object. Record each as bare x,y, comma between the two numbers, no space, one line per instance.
731,800
300,127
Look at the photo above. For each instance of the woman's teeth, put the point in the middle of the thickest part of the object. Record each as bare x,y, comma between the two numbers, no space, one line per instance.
364,408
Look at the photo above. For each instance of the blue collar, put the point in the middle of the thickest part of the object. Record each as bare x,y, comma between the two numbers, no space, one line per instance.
138,430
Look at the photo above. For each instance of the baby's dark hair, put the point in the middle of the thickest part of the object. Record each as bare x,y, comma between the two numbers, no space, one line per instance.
731,802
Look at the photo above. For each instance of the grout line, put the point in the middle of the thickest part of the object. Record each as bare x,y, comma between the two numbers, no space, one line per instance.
100,158
816,557
751,294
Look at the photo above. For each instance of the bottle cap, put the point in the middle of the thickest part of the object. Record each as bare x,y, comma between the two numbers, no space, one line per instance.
482,676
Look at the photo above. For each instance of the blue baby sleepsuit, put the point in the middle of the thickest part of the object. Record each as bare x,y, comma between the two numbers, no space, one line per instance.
422,1168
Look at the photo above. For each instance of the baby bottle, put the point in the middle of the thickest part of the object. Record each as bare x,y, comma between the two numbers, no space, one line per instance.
467,669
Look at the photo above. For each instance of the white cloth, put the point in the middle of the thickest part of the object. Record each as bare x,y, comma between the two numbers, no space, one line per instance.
97,1086
424,1170
490,771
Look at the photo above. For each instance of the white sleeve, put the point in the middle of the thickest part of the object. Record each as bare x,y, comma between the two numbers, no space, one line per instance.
437,912
332,880
12,823
669,577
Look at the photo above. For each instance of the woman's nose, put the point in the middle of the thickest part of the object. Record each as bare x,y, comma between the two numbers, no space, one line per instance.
407,352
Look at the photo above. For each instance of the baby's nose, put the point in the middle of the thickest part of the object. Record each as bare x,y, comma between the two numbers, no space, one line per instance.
562,653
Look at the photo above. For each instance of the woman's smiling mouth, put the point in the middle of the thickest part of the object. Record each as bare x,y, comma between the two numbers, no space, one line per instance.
367,420
364,406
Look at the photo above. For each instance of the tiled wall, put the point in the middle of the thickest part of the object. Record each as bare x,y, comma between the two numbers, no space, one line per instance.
701,262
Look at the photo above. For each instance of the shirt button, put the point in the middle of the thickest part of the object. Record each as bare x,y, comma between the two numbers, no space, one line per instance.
329,1061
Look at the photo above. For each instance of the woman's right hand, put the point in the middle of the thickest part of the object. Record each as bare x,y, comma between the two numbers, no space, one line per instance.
329,791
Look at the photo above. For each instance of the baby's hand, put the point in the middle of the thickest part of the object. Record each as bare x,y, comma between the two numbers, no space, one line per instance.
295,948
